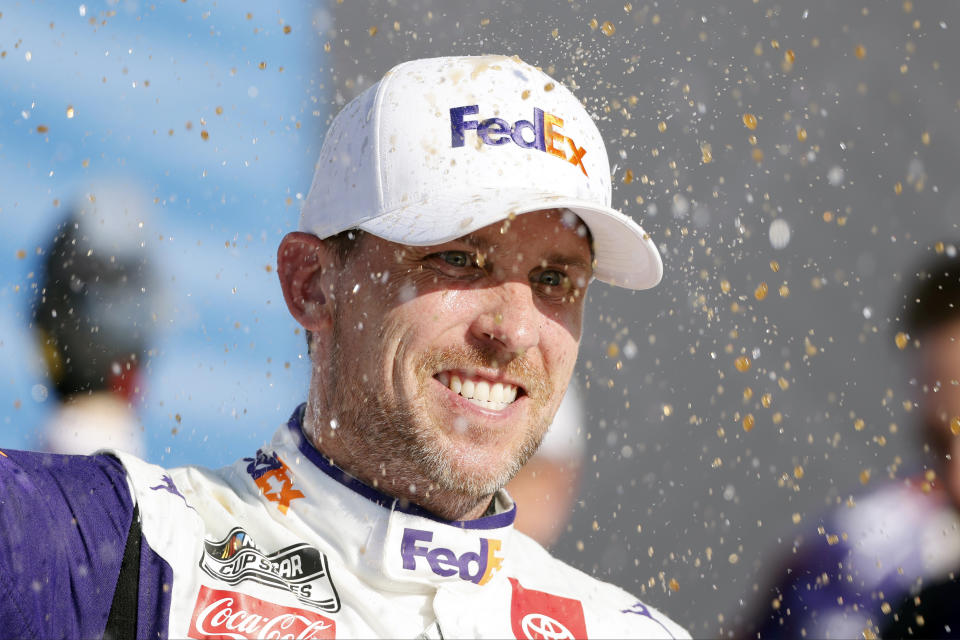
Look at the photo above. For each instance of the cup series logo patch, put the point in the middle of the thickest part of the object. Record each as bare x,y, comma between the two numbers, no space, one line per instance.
300,569
473,566
542,133
228,614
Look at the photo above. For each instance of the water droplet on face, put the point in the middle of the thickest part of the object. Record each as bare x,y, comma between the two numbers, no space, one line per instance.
407,293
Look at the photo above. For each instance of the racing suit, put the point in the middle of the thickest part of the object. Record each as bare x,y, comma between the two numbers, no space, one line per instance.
282,544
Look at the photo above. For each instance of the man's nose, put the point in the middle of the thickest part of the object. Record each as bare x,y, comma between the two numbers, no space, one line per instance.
509,320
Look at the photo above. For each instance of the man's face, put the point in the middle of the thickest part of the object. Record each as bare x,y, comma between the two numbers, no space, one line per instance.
452,359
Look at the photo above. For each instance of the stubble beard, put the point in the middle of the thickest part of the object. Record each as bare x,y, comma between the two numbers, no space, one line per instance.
405,443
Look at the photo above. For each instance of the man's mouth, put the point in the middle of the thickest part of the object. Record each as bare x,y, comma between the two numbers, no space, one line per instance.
480,391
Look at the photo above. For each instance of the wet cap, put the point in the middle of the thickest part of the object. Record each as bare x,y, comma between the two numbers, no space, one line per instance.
444,146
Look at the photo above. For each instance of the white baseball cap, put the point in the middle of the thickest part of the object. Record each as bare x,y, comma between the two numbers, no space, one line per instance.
442,147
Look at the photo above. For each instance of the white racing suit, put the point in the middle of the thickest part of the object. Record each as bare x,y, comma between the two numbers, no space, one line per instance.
283,545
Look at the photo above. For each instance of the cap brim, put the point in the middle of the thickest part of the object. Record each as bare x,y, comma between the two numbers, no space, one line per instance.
625,254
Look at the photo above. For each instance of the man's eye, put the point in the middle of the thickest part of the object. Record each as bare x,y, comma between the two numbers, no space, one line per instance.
550,278
456,258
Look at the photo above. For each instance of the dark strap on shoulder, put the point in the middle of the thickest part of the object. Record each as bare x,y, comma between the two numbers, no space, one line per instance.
122,623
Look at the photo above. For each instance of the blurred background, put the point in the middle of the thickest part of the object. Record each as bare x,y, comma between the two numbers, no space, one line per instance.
794,161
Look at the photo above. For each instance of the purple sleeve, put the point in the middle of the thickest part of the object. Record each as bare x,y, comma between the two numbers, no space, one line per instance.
63,526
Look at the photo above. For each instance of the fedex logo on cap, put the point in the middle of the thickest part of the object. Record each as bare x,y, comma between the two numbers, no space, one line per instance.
542,133
471,566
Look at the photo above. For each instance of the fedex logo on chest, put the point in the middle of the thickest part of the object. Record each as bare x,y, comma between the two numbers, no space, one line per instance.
473,566
542,133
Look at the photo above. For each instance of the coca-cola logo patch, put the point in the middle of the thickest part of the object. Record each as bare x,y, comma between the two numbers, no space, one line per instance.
537,615
228,615
299,569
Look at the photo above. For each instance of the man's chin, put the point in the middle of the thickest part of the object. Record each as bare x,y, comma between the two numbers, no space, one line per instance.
471,472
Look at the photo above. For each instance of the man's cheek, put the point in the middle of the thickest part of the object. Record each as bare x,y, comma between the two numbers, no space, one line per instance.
569,319
564,358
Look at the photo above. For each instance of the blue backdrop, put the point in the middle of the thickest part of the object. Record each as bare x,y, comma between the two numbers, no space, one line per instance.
215,112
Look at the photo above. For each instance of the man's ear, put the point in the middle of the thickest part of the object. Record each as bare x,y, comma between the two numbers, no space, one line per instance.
304,263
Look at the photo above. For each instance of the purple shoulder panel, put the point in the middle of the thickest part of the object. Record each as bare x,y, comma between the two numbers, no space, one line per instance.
63,527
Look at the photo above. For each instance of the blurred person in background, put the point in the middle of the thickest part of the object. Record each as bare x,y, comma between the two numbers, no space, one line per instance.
847,579
547,485
930,609
93,316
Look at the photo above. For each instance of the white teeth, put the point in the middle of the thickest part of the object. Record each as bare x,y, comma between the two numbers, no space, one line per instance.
496,406
482,393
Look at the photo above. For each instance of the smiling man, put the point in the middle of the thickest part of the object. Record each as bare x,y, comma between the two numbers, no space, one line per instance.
436,378
459,210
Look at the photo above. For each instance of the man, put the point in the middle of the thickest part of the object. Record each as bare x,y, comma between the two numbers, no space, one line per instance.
459,209
866,557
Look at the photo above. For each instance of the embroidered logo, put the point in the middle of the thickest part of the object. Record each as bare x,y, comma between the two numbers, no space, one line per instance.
273,479
299,569
539,615
543,133
471,566
228,614
167,485
638,608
